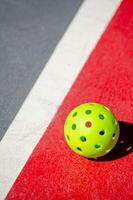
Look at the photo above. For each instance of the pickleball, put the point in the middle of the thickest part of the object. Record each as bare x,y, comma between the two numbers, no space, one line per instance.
91,130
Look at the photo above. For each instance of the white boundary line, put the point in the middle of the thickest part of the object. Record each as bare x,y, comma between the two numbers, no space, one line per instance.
51,87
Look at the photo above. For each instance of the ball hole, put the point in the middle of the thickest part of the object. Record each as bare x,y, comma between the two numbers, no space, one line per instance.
83,139
113,136
101,116
88,124
91,104
115,122
97,146
68,137
93,155
79,149
102,132
88,112
74,114
105,108
74,126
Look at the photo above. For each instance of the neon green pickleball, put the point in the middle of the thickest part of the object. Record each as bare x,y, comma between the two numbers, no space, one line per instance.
91,130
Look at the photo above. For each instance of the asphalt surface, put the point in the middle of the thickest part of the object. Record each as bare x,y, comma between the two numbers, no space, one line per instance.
29,32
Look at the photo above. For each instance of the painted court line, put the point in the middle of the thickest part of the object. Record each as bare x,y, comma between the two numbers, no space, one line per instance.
51,87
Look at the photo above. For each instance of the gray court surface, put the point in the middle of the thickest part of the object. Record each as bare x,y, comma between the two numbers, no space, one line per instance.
29,32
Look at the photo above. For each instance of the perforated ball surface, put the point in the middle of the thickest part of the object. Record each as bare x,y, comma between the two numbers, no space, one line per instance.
91,130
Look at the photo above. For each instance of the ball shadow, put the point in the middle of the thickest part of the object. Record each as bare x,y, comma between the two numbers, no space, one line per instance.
124,145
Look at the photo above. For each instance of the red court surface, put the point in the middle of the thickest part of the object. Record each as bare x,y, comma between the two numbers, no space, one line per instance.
54,172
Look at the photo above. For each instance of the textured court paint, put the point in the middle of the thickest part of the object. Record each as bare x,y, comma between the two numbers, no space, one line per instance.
53,170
